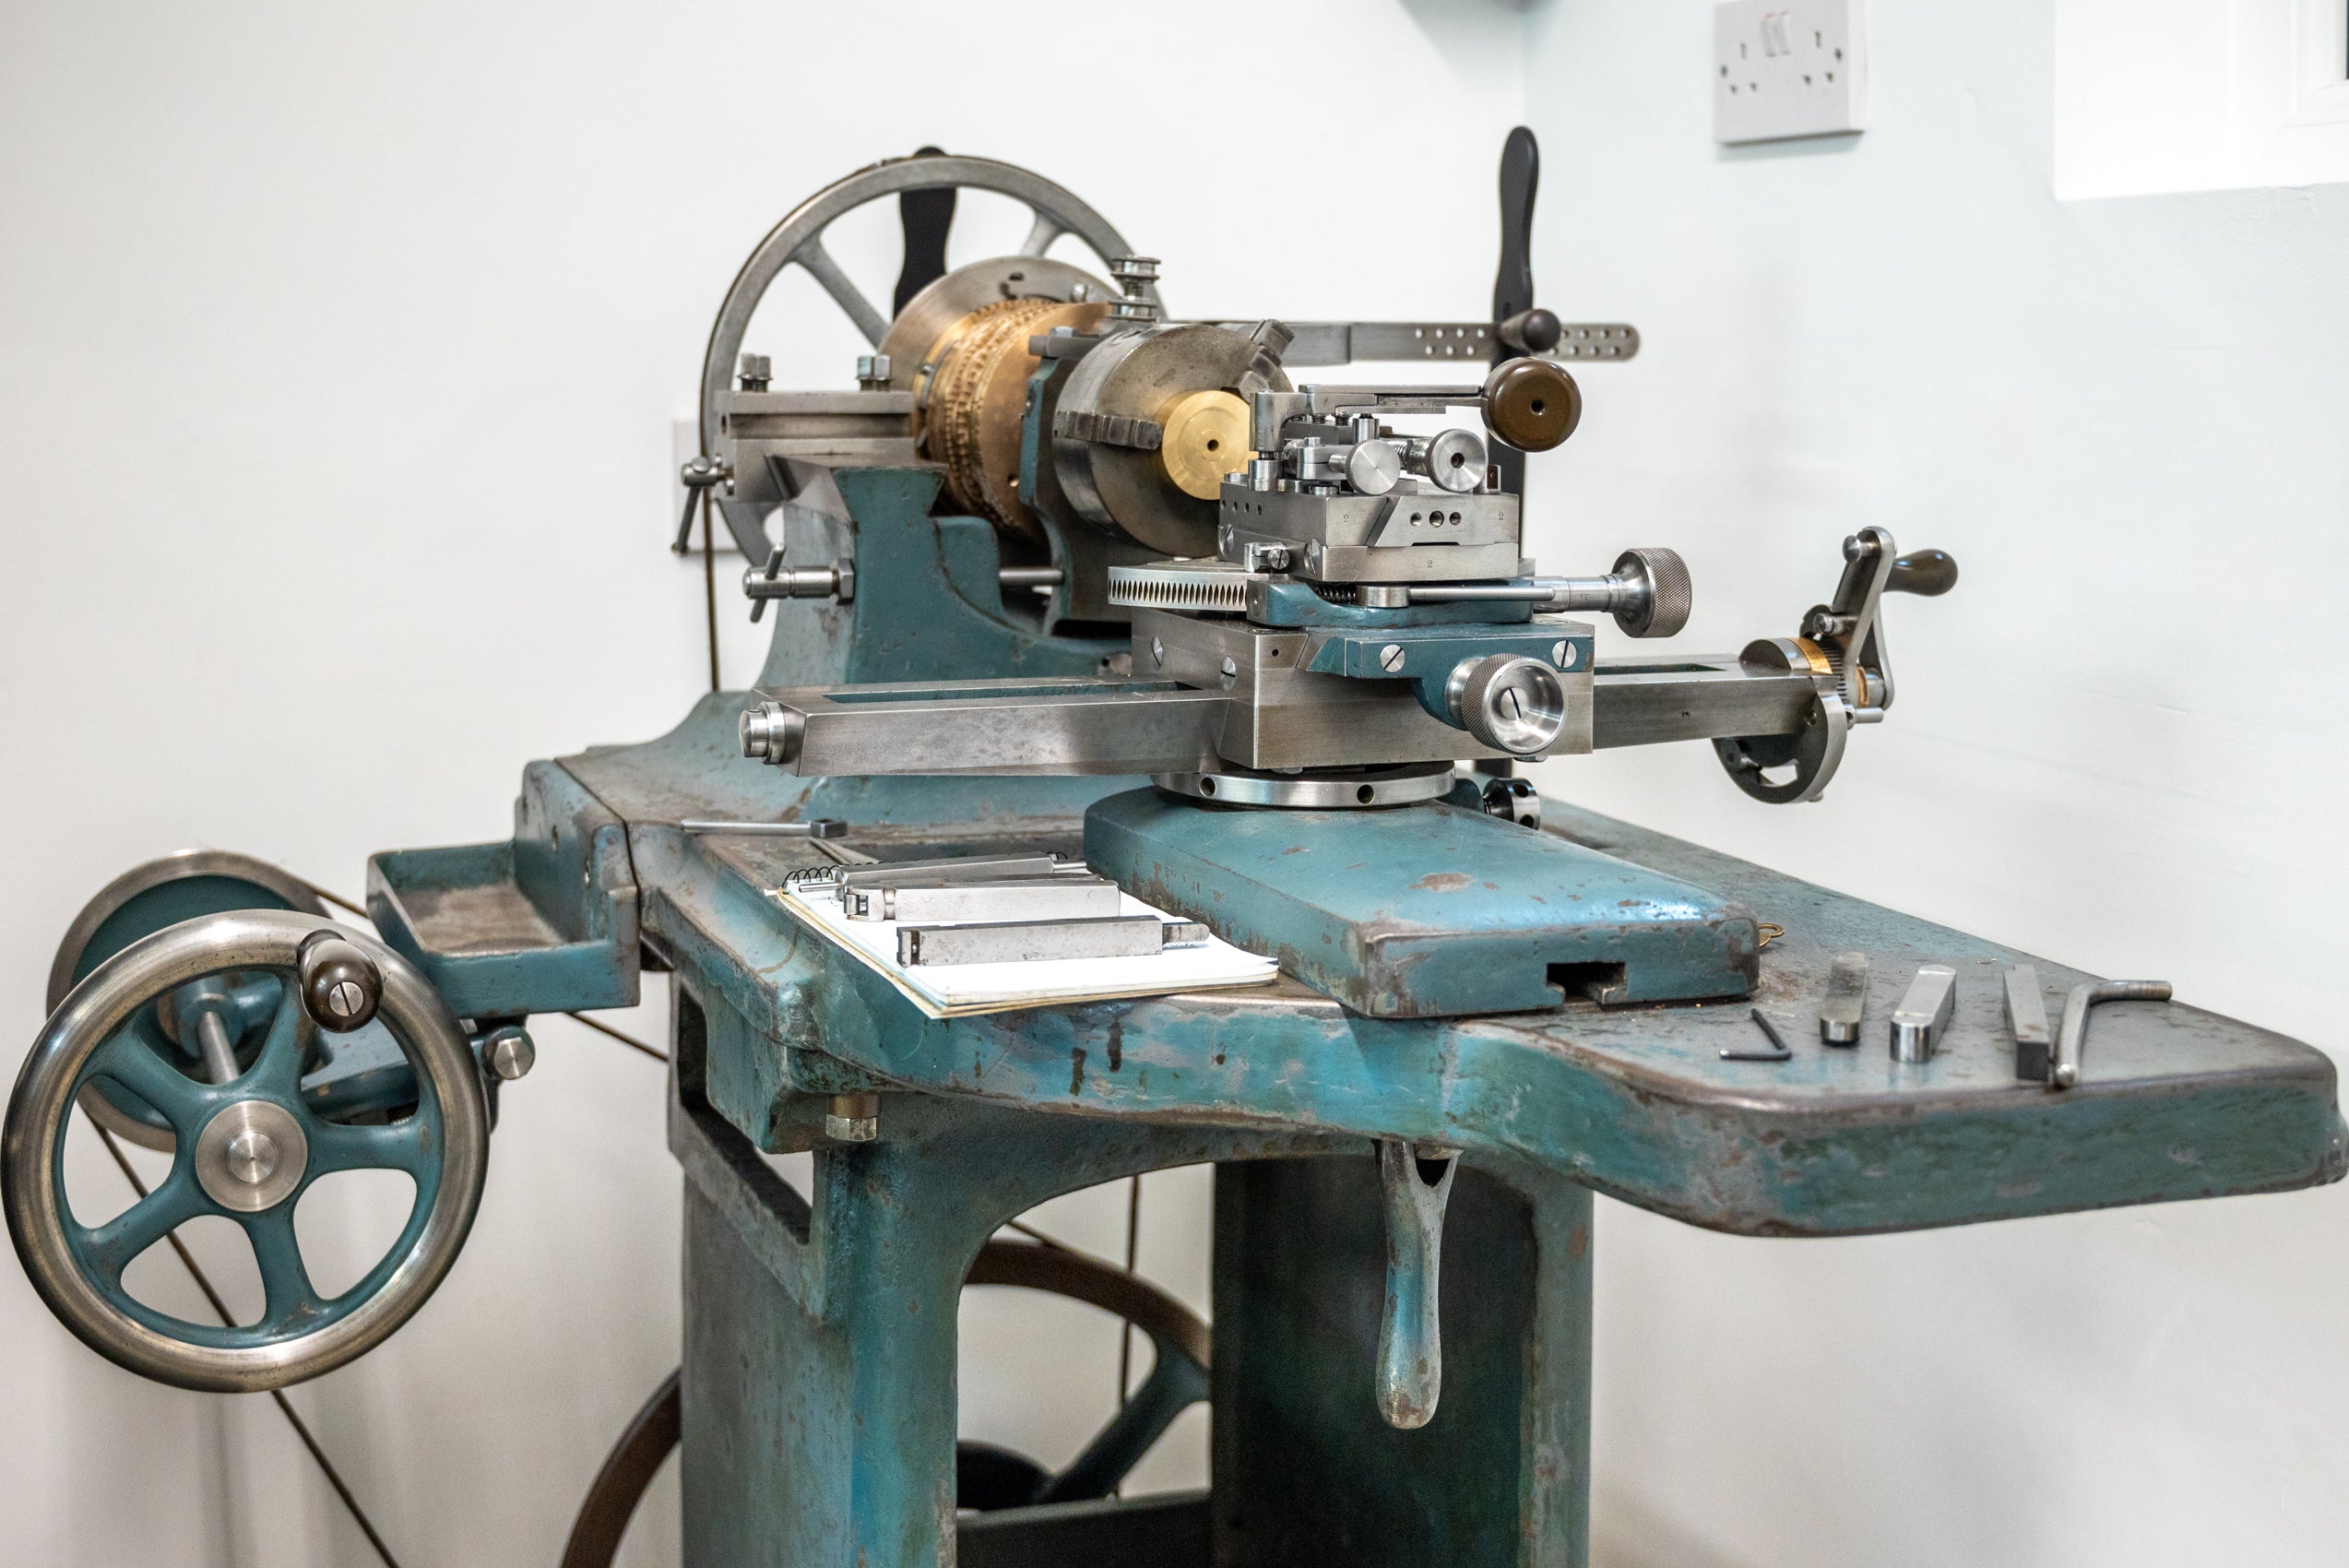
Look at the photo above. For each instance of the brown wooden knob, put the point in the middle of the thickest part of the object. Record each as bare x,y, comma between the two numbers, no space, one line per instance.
1532,404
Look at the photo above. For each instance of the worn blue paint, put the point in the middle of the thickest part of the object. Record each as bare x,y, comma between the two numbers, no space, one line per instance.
928,604
1032,439
1430,654
1634,1101
1425,911
424,902
821,1336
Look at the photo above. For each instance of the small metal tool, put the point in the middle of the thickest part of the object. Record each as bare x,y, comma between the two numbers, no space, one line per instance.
955,868
1010,899
2027,1021
1847,999
1023,941
815,827
1778,1050
1924,1013
2073,1035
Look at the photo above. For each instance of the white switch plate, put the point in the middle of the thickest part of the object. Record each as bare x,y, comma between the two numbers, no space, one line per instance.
1789,69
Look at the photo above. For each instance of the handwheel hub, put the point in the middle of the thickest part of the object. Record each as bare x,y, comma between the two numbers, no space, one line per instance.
251,1155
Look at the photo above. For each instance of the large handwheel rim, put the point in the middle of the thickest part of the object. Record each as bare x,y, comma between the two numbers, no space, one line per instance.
185,865
799,239
654,1431
167,871
53,1246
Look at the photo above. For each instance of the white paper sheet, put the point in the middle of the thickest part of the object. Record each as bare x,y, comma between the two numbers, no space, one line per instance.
953,990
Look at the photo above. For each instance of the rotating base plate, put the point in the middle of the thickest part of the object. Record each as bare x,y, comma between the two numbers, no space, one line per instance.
1349,788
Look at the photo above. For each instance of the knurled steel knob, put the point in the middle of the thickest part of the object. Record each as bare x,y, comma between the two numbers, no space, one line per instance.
1509,702
1662,594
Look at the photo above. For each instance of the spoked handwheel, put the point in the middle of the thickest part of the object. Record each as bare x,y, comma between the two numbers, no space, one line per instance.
798,241
208,1032
986,1477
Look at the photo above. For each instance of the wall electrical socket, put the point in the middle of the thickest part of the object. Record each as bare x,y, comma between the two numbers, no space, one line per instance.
1789,69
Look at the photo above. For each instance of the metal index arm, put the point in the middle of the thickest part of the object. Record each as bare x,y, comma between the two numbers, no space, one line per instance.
1842,648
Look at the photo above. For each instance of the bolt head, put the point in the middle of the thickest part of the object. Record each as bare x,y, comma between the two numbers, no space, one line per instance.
852,1129
1391,657
1561,653
345,999
509,1054
1157,651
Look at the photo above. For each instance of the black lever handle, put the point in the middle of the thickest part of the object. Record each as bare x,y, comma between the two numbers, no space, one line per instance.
1926,573
1513,285
926,214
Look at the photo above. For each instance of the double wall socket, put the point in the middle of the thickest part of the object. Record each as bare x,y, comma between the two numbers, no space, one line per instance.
1789,69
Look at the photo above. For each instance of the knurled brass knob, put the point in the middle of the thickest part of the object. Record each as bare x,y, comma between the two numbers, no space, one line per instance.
1532,404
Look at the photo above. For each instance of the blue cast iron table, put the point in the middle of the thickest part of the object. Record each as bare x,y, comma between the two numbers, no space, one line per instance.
820,1331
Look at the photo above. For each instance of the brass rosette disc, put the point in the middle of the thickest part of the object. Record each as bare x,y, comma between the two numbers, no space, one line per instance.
969,406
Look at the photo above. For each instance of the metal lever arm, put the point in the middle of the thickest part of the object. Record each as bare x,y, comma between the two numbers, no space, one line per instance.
2072,1037
1314,344
1415,1181
986,727
696,477
1851,628
1842,648
1125,727
1512,282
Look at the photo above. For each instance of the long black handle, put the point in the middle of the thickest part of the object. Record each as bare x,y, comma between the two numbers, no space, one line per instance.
1513,285
926,214
1929,572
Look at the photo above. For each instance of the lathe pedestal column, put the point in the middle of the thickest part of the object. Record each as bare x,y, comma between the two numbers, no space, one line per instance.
820,1348
1305,1469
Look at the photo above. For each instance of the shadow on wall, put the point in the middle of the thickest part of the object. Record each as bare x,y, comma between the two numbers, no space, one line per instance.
1472,36
1626,1533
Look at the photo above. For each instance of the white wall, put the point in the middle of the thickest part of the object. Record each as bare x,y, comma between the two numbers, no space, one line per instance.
2119,744
337,351
339,348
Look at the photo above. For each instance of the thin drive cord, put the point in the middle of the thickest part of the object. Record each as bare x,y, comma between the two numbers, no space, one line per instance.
1132,1251
285,1406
